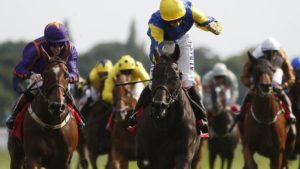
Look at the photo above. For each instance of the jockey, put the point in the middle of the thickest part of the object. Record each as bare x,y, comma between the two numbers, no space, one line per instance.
125,65
55,42
171,24
220,76
95,82
271,50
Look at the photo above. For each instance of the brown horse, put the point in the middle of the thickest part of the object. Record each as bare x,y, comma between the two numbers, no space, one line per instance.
49,129
94,136
294,95
264,128
222,141
167,136
123,143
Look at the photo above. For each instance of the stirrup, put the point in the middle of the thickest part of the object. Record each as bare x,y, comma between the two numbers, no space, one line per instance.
10,122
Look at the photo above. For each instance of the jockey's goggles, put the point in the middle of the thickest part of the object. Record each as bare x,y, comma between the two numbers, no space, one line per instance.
57,44
126,72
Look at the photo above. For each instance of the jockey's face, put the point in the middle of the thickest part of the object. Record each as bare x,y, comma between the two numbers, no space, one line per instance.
219,80
56,48
175,23
270,55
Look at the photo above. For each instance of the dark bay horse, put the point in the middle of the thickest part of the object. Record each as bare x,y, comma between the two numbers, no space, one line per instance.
167,136
264,126
49,130
222,141
123,147
294,95
94,136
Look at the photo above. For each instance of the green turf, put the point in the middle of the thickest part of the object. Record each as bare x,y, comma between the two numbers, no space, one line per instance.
262,162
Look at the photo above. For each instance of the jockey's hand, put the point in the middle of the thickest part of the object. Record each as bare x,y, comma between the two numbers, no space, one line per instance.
36,77
277,87
214,27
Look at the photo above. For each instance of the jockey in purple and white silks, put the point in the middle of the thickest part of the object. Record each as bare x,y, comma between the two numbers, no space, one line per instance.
56,43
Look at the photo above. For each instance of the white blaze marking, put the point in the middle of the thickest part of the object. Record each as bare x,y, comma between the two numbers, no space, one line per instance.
55,70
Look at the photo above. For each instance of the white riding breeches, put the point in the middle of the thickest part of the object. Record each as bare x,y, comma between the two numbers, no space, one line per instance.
185,61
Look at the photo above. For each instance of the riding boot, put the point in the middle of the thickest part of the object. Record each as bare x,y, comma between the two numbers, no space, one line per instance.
291,119
199,110
240,116
144,100
70,99
22,100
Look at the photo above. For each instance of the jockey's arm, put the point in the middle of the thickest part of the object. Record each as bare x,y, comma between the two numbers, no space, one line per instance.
287,69
156,35
109,85
22,69
72,66
141,73
205,23
246,76
234,89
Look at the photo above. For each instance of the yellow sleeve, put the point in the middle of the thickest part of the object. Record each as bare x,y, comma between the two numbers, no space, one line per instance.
94,78
141,73
157,34
199,17
109,85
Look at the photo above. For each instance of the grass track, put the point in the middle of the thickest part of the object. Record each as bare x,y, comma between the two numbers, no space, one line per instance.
262,162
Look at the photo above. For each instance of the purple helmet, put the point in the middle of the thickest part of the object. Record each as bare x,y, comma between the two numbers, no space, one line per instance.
56,32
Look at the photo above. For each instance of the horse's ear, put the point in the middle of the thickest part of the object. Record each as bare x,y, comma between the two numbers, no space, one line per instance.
45,55
251,57
156,54
176,53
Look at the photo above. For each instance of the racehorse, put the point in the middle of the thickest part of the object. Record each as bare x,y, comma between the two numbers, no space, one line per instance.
264,128
294,95
94,136
222,141
123,147
49,130
167,136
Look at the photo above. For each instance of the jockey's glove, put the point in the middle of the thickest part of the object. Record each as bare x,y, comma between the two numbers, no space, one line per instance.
36,77
215,27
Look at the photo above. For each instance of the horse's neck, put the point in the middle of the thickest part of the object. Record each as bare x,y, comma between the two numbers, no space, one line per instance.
265,104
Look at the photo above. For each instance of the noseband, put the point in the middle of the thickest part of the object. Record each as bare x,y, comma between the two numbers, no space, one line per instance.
172,96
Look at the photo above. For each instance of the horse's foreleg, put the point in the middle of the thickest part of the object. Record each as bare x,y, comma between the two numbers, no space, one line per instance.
212,158
277,161
229,160
115,159
248,158
182,162
93,158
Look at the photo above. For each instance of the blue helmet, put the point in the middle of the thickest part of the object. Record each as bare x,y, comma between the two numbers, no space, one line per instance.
56,32
296,63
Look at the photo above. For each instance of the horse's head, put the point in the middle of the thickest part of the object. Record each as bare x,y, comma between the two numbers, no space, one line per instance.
123,100
219,99
166,82
262,72
55,84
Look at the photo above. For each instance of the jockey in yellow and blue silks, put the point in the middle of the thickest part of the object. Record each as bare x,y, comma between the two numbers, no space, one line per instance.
56,43
171,24
125,65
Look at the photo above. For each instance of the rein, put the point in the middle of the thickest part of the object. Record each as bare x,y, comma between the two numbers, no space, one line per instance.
131,83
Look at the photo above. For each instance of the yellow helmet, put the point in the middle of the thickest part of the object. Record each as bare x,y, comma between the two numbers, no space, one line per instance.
104,65
126,62
171,10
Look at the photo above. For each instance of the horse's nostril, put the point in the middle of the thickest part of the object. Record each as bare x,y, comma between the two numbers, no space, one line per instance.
62,107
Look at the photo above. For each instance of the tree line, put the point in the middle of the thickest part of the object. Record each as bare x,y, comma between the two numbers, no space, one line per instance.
11,53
